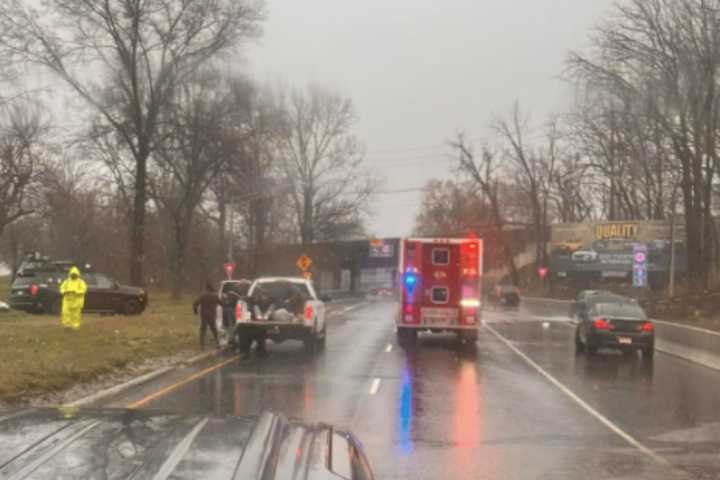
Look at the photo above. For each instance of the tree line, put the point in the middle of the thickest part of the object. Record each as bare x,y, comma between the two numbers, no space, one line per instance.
638,143
180,162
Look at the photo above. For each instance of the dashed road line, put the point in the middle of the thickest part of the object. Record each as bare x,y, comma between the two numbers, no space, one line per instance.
604,420
375,386
388,349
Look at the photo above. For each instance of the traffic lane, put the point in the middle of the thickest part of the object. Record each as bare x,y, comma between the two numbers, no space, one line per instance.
448,412
325,386
337,315
436,411
668,404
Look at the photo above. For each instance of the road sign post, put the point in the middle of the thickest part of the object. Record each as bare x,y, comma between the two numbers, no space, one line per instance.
304,262
542,271
229,269
640,265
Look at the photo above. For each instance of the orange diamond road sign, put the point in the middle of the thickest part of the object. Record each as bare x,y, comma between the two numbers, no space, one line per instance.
304,262
376,242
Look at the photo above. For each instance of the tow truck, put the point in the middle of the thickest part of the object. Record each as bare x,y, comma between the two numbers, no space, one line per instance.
281,308
440,288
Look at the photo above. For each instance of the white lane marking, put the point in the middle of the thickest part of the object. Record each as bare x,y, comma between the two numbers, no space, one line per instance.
550,300
604,420
375,386
353,307
388,348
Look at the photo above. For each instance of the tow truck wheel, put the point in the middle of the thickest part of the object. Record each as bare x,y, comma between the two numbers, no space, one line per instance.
243,341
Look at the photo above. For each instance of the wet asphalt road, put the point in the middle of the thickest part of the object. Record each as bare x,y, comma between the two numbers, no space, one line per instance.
440,411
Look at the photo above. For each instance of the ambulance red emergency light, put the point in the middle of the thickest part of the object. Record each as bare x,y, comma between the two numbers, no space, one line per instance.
440,287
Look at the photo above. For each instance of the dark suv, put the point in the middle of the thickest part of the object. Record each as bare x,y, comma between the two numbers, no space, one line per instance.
36,289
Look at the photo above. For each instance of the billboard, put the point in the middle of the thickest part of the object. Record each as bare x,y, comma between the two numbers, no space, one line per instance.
381,249
607,248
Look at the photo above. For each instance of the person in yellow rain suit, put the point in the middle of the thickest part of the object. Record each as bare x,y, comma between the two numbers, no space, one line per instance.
73,294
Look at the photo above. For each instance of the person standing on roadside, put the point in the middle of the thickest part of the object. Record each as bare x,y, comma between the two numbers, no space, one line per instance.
207,304
73,291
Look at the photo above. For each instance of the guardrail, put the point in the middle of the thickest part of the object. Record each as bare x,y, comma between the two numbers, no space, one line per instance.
695,344
691,343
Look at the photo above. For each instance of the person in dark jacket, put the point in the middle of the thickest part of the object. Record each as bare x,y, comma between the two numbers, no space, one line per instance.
207,304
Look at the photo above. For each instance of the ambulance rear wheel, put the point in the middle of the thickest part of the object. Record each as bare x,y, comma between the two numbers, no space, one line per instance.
406,337
468,336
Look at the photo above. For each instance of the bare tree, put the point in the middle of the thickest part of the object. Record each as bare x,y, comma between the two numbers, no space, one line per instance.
21,161
532,168
665,53
450,208
322,165
484,171
199,142
125,58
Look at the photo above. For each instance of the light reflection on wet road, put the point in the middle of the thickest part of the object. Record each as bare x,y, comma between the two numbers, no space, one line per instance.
442,412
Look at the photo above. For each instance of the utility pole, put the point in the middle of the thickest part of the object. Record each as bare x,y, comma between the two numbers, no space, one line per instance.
230,233
671,285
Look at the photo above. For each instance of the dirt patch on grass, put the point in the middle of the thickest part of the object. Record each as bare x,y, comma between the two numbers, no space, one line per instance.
40,357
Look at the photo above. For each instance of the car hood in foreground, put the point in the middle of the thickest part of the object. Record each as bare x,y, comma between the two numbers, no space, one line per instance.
114,444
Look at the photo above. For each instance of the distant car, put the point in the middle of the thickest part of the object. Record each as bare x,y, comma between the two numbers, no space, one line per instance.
613,321
282,308
506,296
582,298
120,444
381,292
38,291
584,256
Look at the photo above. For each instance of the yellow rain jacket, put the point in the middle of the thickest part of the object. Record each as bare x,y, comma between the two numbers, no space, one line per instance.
73,294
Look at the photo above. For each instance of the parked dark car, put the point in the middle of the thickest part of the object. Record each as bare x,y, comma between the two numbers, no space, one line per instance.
36,287
120,444
613,321
37,290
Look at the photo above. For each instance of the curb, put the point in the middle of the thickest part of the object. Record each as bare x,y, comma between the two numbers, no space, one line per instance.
114,390
688,354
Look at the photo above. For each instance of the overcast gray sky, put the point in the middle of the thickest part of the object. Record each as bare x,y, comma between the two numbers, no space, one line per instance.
420,70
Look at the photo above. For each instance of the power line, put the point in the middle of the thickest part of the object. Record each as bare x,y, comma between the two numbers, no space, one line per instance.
402,190
408,149
409,161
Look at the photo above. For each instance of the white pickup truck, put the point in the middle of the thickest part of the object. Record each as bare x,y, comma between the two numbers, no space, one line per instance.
281,308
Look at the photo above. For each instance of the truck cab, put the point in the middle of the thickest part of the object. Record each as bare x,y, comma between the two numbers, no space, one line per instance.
440,287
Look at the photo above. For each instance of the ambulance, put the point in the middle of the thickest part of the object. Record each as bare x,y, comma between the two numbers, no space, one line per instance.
440,287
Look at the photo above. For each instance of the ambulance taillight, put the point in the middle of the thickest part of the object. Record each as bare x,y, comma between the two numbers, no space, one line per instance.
470,281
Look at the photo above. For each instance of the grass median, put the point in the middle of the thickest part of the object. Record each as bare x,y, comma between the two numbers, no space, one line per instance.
39,356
